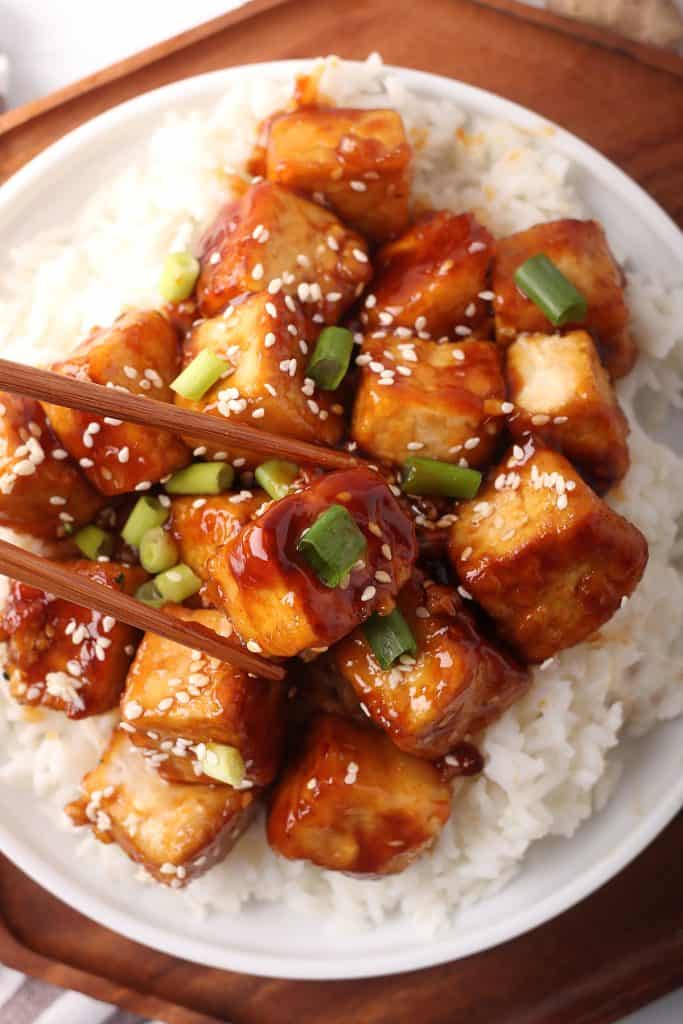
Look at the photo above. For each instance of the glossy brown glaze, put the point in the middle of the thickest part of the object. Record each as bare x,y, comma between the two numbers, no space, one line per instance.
202,525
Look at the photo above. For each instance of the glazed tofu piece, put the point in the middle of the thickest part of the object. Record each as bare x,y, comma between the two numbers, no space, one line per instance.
265,342
141,354
455,684
271,593
175,831
202,526
562,394
42,492
274,240
352,801
431,279
177,700
356,161
544,555
580,251
65,657
441,401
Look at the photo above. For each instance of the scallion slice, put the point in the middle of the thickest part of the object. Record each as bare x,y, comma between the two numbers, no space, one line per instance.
178,276
147,513
178,583
332,545
331,357
431,477
93,541
390,636
158,550
547,287
276,476
202,478
148,594
223,763
201,374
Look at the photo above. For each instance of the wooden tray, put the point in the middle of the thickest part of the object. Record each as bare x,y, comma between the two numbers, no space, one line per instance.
623,946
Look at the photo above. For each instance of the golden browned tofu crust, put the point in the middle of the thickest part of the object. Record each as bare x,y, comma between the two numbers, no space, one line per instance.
201,526
63,656
140,353
274,598
442,401
431,280
580,251
356,161
42,491
544,555
177,700
455,684
352,801
266,342
562,394
273,235
176,832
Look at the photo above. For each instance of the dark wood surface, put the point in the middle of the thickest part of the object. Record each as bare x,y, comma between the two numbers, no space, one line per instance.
624,945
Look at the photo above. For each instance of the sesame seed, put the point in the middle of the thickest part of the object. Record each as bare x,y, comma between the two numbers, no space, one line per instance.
463,331
56,499
540,420
465,554
332,243
368,593
487,296
312,783
59,454
257,272
271,309
471,309
414,446
254,647
358,186
562,501
124,454
275,286
258,414
507,407
471,443
269,340
361,256
386,551
459,355
476,247
133,709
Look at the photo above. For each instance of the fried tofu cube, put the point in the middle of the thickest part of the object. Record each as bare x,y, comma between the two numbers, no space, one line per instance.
562,395
455,684
63,656
272,239
175,703
41,489
441,401
431,279
352,801
175,831
356,161
202,526
265,343
140,353
272,594
544,555
580,251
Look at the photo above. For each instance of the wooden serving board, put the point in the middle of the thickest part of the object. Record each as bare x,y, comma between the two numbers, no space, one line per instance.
624,945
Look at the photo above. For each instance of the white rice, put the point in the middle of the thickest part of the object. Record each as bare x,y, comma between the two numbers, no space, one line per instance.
547,766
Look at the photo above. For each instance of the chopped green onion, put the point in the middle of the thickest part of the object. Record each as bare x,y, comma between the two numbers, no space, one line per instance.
158,550
547,287
429,476
178,583
202,478
389,636
148,594
178,276
201,374
94,542
276,476
332,545
331,357
148,513
223,763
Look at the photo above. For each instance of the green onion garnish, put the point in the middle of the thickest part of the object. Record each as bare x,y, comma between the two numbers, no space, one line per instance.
148,594
148,513
390,636
202,478
178,583
276,477
201,374
178,276
158,550
332,545
94,542
429,476
331,357
223,763
547,287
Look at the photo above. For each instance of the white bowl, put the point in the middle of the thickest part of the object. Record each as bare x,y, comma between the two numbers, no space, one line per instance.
269,940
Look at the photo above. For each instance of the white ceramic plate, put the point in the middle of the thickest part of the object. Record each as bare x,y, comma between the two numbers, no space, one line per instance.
269,940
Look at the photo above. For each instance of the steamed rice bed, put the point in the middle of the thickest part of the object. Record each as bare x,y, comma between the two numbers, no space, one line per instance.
550,760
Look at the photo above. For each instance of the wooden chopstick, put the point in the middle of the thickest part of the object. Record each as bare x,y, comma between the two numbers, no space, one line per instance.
46,386
53,577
